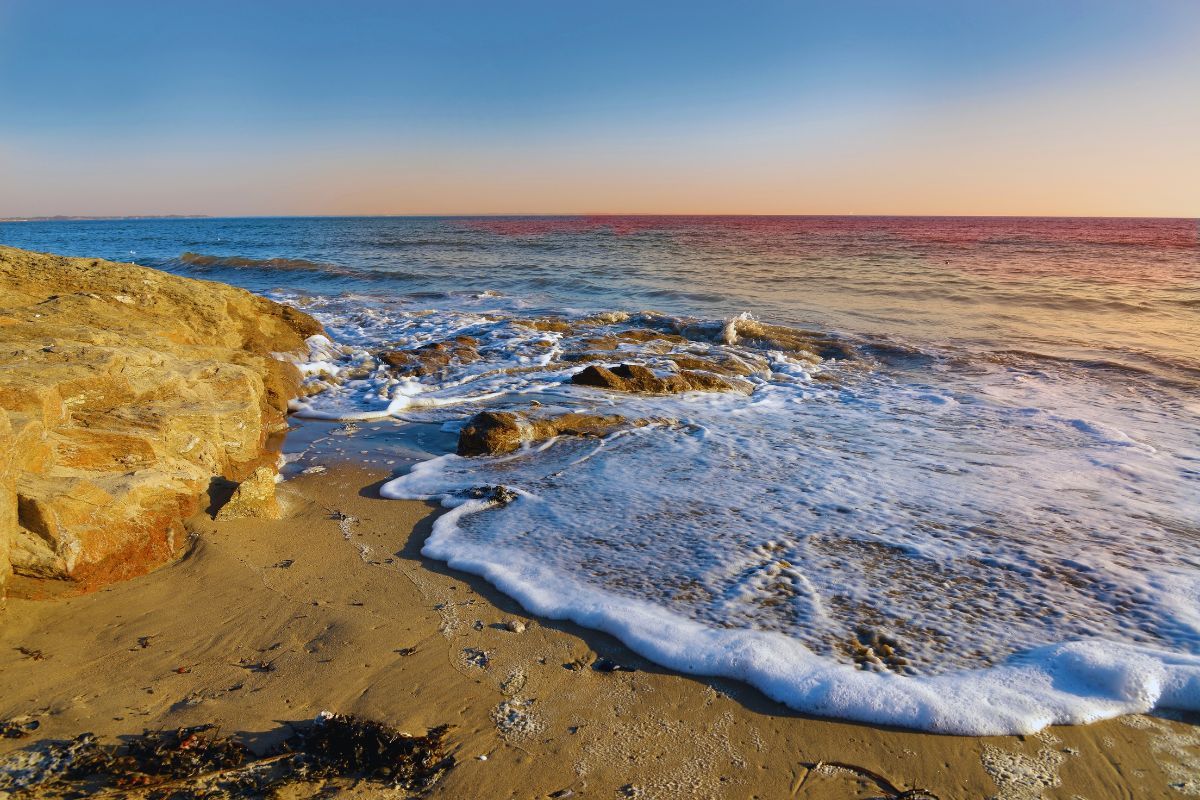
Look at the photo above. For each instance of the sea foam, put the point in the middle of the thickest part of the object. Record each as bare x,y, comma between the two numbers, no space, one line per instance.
958,545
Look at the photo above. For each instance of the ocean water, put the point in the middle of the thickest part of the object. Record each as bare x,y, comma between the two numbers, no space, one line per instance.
955,484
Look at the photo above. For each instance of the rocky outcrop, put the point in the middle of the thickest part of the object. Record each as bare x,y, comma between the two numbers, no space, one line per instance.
123,392
643,336
638,379
794,341
547,324
722,364
491,433
429,359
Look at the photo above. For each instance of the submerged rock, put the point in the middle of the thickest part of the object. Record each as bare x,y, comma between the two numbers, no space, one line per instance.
500,495
643,336
875,650
123,392
254,497
723,364
430,358
547,324
491,433
638,379
794,341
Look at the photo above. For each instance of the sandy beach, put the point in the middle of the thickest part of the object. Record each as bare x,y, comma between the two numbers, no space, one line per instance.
264,623
636,401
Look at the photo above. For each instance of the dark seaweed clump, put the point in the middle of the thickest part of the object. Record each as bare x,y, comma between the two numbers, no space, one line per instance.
337,746
198,762
11,729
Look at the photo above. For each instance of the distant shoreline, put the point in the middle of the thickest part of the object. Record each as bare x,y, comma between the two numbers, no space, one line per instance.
71,218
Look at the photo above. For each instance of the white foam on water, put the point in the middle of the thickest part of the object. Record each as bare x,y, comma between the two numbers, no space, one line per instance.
1024,542
1070,683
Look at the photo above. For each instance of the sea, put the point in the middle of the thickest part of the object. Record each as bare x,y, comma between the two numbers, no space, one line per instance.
954,484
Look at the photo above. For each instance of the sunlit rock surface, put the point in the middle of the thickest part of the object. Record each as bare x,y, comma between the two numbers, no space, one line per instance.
123,392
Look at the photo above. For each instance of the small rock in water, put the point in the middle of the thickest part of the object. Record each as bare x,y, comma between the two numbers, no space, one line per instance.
639,379
500,495
873,650
313,470
491,433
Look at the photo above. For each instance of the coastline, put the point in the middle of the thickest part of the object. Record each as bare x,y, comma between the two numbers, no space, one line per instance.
317,596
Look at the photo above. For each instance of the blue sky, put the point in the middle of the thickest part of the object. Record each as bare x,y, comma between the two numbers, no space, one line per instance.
305,107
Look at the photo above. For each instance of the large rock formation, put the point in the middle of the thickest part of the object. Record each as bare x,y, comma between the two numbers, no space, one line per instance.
123,392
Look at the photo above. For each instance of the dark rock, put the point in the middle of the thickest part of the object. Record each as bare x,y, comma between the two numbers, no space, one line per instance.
638,379
430,358
500,495
491,433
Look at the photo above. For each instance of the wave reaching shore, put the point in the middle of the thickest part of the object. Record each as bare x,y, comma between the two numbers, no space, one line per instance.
974,509
964,547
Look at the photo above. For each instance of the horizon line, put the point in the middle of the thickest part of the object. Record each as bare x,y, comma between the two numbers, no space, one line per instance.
542,214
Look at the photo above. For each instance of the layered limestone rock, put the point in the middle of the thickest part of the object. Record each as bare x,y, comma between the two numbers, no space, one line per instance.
123,392
491,433
8,497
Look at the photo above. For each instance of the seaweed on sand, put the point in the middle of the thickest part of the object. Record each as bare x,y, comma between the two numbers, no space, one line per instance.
198,762
15,729
342,745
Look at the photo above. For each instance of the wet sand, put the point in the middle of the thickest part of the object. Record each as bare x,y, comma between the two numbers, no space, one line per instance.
333,608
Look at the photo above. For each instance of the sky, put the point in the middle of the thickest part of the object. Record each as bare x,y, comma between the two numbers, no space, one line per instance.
1012,107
